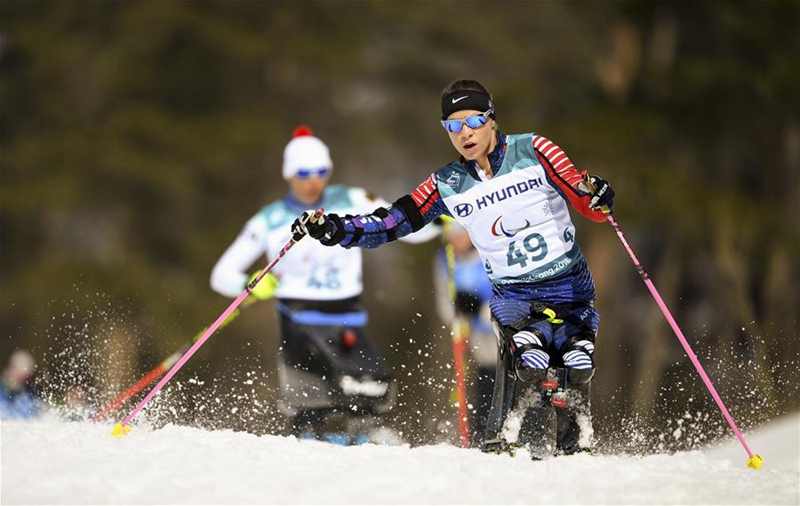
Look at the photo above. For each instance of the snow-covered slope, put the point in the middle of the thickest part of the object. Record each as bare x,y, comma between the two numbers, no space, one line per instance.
54,462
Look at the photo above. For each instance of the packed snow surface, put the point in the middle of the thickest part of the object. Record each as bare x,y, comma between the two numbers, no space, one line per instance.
55,462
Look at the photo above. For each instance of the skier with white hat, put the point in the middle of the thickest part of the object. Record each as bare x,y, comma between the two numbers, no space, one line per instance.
327,366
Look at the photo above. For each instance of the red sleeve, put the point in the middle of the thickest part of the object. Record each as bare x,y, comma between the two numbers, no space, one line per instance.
425,194
564,176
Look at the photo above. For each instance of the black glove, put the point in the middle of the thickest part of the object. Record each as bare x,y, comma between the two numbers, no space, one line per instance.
603,194
309,223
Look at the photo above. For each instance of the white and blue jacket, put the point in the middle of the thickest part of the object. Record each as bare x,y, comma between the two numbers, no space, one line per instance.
518,220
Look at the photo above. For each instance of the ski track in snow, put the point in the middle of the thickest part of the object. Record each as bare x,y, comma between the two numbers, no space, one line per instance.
53,462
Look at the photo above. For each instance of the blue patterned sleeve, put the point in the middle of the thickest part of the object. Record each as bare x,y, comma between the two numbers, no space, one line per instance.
406,215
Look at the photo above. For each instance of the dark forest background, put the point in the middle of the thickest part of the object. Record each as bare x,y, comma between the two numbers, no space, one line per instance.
137,137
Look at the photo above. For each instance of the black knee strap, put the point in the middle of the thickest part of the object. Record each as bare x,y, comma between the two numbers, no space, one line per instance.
572,345
525,347
519,350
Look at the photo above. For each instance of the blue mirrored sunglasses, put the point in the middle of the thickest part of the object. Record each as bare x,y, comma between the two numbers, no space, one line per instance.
474,121
307,173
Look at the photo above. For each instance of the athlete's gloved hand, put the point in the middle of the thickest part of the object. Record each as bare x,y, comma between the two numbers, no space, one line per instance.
265,289
309,223
603,194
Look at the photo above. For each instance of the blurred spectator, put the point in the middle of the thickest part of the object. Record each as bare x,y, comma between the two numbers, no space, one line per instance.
17,397
473,291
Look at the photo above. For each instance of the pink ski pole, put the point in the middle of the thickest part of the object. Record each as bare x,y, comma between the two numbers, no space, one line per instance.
163,367
122,428
753,461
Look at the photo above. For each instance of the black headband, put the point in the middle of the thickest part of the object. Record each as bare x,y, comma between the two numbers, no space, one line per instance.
466,100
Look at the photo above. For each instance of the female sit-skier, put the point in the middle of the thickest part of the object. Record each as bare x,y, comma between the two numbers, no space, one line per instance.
512,193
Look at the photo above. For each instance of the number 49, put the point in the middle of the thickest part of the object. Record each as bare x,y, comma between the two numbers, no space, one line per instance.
533,244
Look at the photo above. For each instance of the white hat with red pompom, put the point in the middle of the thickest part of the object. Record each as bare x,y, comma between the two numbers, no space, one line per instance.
305,151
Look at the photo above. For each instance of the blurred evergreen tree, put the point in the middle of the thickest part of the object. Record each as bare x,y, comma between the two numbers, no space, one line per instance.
137,137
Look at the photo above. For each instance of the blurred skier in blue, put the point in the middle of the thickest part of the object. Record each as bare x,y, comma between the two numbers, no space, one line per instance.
328,367
473,291
17,397
513,194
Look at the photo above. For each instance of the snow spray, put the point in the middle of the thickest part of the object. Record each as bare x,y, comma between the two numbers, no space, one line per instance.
753,461
121,429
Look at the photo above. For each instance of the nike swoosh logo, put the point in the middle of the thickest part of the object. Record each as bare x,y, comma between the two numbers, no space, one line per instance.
459,98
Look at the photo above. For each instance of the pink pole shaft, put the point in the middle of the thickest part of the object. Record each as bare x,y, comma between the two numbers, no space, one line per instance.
679,334
214,326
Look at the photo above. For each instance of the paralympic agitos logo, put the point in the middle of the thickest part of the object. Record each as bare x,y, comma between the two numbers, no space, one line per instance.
498,228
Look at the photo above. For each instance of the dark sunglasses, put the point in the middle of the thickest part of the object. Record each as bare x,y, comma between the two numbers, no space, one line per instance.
476,121
308,173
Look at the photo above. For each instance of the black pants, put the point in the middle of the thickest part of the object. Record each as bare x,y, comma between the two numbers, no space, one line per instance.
329,369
